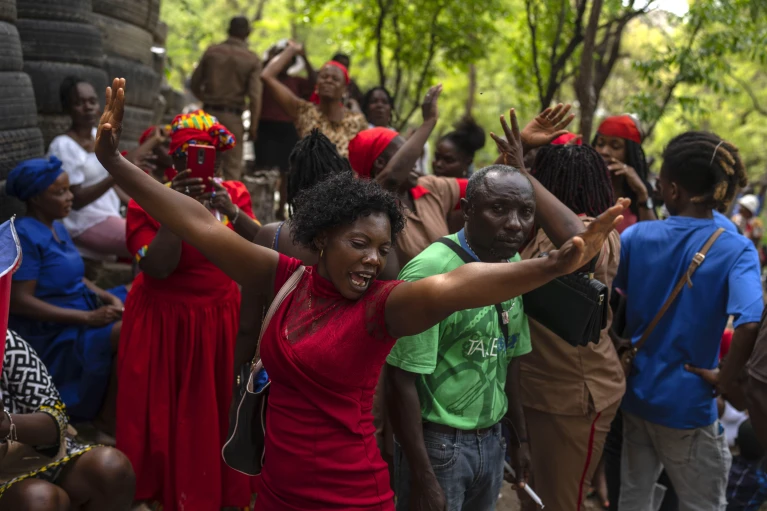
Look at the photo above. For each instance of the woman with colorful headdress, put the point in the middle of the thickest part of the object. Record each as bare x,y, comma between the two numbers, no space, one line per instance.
619,142
176,355
327,111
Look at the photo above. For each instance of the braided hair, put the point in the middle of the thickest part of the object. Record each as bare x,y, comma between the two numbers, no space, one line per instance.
635,157
706,166
313,159
577,176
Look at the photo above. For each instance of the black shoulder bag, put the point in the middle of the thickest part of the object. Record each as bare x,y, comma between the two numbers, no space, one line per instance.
573,306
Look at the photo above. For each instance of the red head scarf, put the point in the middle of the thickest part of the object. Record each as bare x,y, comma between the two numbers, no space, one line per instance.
621,126
198,126
567,137
315,98
366,147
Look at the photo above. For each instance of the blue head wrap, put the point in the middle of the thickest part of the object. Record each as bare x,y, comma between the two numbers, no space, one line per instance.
32,177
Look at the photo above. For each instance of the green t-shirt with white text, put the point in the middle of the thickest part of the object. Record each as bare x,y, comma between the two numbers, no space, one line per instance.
463,361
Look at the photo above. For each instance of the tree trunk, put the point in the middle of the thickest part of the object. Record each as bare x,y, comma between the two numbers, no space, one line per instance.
472,90
584,83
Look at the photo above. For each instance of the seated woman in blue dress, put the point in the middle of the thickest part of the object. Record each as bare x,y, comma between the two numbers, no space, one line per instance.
72,324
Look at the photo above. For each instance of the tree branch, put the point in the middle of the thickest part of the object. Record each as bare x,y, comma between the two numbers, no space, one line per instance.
754,100
534,39
379,42
425,70
397,61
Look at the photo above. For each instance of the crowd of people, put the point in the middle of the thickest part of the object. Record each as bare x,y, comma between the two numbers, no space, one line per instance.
404,369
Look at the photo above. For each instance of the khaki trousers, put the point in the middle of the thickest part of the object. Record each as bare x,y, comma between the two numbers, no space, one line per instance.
565,453
233,157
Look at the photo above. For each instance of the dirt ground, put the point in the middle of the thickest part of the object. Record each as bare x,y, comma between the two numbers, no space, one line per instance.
509,501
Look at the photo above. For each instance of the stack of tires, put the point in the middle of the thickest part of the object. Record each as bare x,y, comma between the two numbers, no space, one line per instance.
58,41
127,32
20,139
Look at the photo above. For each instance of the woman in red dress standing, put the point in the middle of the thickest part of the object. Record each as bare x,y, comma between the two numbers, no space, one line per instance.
326,344
176,348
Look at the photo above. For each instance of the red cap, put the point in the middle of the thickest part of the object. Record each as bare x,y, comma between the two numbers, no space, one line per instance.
621,126
367,146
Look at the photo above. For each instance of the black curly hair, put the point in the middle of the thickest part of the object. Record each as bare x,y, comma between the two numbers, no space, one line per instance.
312,159
467,136
577,176
706,166
341,199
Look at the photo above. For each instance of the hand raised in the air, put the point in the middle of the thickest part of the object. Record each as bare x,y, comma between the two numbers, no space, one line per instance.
579,250
110,125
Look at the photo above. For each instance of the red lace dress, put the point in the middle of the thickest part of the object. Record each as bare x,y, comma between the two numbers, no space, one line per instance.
323,354
175,363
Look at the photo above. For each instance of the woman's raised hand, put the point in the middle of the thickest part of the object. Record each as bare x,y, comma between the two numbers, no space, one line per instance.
110,125
579,250
511,147
430,101
547,126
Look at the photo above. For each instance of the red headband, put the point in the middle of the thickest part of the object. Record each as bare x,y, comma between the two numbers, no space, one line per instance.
621,126
366,147
315,98
567,137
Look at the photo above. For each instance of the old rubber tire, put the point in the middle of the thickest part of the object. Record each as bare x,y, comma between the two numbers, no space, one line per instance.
142,13
142,84
47,78
121,39
8,10
53,125
135,122
10,206
10,55
17,101
60,10
19,145
61,41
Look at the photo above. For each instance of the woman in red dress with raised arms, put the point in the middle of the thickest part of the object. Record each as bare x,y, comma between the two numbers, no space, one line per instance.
326,344
176,348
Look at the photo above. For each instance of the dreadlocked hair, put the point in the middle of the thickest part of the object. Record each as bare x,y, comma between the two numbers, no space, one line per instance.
341,199
706,166
313,159
577,176
635,158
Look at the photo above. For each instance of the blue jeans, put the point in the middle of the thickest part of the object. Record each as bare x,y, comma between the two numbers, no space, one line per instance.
468,466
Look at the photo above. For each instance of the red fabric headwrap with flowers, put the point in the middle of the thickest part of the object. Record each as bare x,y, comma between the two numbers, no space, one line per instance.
366,147
621,126
315,98
198,126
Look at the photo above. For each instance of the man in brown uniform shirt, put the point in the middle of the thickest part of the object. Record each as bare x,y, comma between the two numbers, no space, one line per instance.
227,74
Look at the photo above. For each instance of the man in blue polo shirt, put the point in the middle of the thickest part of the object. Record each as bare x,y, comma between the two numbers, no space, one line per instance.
670,415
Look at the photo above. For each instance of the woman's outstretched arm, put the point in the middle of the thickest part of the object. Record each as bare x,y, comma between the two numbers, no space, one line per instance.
246,263
413,307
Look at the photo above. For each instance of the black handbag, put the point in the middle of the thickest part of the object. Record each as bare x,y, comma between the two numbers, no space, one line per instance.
244,448
573,306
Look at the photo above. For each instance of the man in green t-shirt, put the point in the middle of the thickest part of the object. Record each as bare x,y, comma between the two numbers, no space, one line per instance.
453,377
449,388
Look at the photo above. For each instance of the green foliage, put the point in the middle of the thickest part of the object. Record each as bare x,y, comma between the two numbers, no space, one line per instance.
704,74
